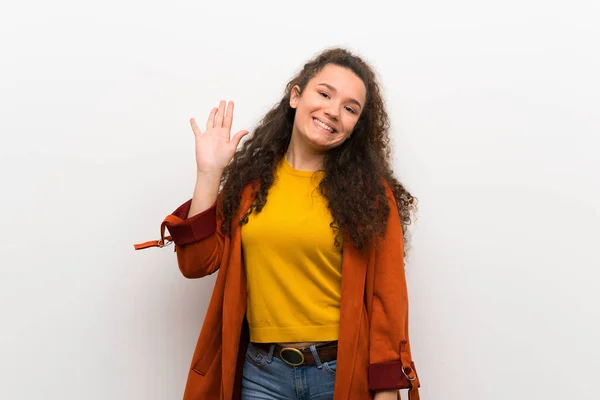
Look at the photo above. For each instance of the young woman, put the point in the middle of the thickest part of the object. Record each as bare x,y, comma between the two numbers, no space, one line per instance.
305,224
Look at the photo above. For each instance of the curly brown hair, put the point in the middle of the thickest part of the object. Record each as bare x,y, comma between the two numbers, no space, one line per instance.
355,171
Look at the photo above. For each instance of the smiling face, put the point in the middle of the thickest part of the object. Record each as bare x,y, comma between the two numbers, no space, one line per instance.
328,109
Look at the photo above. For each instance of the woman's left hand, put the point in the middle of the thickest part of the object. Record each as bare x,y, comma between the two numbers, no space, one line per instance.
386,395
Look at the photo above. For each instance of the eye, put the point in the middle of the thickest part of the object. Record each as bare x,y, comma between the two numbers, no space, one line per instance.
324,94
351,110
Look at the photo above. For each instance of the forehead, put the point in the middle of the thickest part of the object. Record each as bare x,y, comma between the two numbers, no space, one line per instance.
346,82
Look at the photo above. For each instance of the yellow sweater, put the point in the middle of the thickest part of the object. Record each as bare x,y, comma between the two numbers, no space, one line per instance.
293,269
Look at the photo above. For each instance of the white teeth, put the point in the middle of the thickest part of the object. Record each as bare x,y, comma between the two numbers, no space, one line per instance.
323,125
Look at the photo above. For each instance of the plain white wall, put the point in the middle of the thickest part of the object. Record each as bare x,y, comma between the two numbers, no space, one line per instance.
495,117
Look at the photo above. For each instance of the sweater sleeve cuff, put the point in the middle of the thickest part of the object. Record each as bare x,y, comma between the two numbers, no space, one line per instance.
390,375
193,229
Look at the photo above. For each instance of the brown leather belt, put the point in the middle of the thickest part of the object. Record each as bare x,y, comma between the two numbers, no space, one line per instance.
327,352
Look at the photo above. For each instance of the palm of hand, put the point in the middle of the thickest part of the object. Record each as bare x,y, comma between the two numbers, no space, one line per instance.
214,147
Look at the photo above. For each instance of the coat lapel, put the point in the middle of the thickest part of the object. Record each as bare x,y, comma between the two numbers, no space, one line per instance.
354,271
234,301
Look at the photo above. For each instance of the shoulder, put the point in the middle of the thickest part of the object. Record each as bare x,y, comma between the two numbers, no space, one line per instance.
389,193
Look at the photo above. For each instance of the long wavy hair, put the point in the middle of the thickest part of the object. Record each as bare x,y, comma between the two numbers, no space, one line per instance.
354,171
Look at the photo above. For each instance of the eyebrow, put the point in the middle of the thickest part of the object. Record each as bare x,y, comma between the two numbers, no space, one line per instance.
328,86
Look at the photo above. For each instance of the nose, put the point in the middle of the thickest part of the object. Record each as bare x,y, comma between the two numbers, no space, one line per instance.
333,112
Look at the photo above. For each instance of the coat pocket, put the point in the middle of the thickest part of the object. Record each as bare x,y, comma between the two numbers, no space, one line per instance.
206,359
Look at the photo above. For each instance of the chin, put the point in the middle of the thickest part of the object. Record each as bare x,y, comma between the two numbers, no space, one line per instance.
323,145
328,146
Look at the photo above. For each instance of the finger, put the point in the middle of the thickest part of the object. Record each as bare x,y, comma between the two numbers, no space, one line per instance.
211,119
238,136
220,114
228,116
195,127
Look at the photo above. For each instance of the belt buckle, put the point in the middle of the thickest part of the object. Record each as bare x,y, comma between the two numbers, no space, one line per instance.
294,354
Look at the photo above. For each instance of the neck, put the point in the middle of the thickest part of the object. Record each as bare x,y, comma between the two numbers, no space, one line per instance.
302,157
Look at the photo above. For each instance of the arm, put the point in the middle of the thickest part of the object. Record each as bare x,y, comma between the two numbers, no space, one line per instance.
195,226
391,364
386,395
198,234
199,238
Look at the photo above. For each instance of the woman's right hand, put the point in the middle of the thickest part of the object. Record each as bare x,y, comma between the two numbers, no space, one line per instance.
214,147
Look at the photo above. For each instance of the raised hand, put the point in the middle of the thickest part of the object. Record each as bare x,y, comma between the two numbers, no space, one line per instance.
215,147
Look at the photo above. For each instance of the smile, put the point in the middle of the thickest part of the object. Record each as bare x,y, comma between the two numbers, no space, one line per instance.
323,125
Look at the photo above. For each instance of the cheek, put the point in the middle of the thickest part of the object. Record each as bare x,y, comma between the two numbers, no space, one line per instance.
350,124
315,102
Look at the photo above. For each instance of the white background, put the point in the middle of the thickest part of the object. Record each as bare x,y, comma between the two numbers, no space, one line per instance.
495,120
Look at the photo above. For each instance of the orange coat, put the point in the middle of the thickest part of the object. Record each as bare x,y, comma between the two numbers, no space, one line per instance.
373,346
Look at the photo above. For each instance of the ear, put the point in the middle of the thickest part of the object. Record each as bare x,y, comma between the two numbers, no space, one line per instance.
295,96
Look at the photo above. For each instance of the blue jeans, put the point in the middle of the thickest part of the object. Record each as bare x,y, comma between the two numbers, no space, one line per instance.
269,378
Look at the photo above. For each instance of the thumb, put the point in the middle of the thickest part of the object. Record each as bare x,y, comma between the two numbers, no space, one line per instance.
238,136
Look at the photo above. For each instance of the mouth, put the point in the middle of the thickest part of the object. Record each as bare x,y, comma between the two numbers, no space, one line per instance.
323,126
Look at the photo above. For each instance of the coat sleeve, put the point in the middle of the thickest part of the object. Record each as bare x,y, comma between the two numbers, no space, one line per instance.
199,240
390,364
